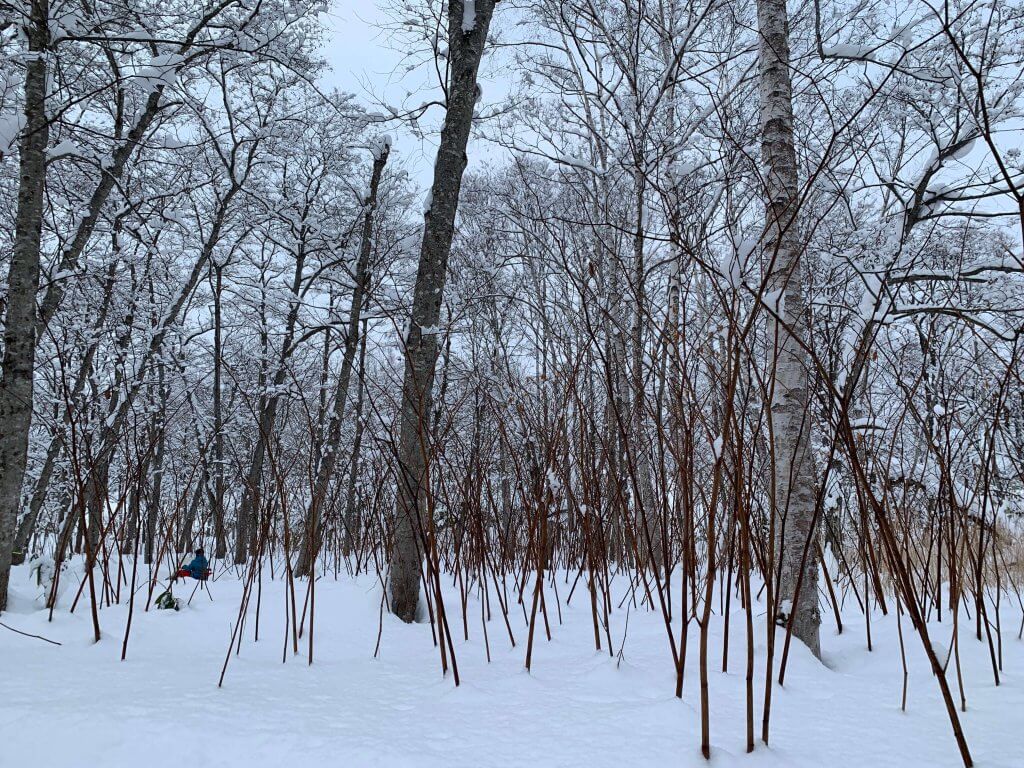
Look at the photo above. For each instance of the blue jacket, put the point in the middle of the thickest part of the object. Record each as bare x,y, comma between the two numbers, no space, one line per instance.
198,567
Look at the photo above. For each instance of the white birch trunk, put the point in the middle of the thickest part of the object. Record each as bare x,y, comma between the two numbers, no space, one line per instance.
794,468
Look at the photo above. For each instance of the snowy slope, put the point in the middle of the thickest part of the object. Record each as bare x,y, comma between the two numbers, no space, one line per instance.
79,705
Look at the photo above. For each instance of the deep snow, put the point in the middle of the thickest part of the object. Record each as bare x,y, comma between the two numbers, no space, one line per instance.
79,705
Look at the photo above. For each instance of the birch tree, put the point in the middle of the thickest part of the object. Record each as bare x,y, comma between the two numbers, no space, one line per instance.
792,421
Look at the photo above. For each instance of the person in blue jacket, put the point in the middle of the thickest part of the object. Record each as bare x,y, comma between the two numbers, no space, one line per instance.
197,568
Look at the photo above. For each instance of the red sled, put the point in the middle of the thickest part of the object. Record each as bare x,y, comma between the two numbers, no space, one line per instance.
186,573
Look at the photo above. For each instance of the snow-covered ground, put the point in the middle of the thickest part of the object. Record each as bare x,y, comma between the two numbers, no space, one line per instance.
79,705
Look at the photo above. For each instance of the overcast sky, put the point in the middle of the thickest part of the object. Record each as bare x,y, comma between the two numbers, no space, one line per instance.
364,62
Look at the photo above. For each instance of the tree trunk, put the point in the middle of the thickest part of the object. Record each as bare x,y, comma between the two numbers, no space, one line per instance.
651,548
794,468
351,522
467,35
159,433
220,545
268,418
185,535
16,386
329,459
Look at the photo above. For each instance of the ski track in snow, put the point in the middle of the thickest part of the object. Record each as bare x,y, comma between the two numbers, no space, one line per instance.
79,705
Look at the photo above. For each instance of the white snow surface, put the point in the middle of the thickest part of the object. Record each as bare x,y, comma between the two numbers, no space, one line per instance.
79,705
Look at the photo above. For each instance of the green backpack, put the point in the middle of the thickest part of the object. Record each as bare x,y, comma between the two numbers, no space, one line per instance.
166,601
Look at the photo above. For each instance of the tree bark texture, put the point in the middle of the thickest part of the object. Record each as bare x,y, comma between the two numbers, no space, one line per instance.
794,468
22,284
466,45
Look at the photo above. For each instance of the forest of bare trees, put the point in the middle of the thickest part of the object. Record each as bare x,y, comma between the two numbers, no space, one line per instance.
723,300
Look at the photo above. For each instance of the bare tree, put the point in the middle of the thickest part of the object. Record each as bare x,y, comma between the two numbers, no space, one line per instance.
16,386
792,421
468,22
